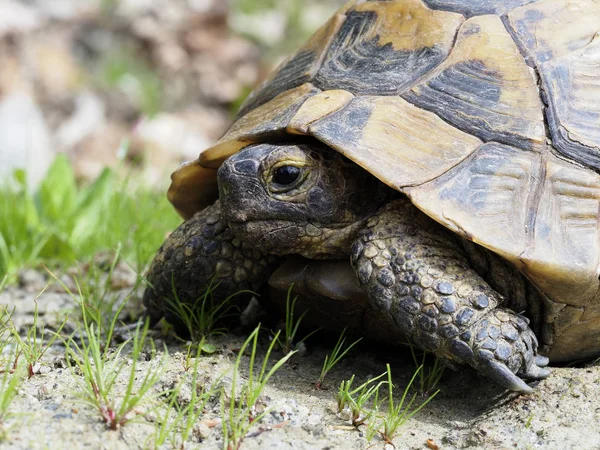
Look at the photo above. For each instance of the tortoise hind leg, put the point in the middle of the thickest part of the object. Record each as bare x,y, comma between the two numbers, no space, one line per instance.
415,271
201,252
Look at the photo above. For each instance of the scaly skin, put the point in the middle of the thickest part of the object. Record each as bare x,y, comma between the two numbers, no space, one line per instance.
417,273
203,250
282,199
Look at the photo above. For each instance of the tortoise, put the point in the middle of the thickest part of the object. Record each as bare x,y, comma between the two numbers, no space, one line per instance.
446,151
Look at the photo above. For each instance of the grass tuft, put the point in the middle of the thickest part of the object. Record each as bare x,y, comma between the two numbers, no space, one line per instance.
34,344
11,377
365,405
62,223
289,342
398,413
6,338
357,399
102,368
201,317
240,412
176,423
336,355
98,300
431,372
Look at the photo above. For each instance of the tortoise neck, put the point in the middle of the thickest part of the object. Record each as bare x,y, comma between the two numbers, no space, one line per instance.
333,242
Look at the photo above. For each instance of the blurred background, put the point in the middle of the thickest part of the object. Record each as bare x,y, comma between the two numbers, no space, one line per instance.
145,83
100,100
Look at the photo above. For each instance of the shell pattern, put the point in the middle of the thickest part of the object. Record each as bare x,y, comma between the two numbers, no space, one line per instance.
486,114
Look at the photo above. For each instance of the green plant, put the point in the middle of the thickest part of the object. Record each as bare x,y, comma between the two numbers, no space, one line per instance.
288,343
34,344
365,404
399,413
102,368
9,353
241,412
373,424
176,423
10,380
6,336
62,223
358,398
166,427
336,355
96,298
529,420
431,372
194,351
201,316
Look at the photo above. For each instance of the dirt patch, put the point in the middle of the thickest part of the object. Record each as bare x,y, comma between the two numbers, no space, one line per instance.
469,411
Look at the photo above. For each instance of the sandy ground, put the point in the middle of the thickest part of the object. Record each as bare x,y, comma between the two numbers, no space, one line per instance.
469,412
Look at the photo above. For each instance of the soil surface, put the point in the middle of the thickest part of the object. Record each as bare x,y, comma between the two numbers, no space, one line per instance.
166,76
468,412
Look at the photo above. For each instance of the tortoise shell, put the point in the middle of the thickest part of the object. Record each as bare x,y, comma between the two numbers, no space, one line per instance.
486,114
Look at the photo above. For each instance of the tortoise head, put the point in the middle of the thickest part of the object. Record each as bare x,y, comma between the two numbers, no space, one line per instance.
297,198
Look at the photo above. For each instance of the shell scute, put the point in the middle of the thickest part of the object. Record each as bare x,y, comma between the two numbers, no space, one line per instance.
563,259
395,42
562,40
489,123
475,8
487,198
399,143
485,87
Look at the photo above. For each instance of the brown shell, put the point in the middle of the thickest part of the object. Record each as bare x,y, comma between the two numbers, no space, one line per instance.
486,114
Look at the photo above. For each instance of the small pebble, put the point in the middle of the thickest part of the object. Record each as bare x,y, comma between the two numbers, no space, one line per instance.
201,430
345,414
43,392
300,349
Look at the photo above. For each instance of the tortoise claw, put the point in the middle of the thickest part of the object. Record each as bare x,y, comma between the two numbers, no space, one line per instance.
541,361
538,369
504,377
507,351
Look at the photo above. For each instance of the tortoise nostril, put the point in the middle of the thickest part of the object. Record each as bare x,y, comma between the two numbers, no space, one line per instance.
246,167
232,173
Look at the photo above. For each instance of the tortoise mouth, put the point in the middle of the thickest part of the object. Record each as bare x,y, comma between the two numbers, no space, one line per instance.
277,237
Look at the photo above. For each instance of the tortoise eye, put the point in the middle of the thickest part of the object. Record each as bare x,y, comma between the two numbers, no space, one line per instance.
286,175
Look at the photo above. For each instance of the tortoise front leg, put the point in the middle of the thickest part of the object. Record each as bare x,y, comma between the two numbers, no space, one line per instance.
417,272
203,250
